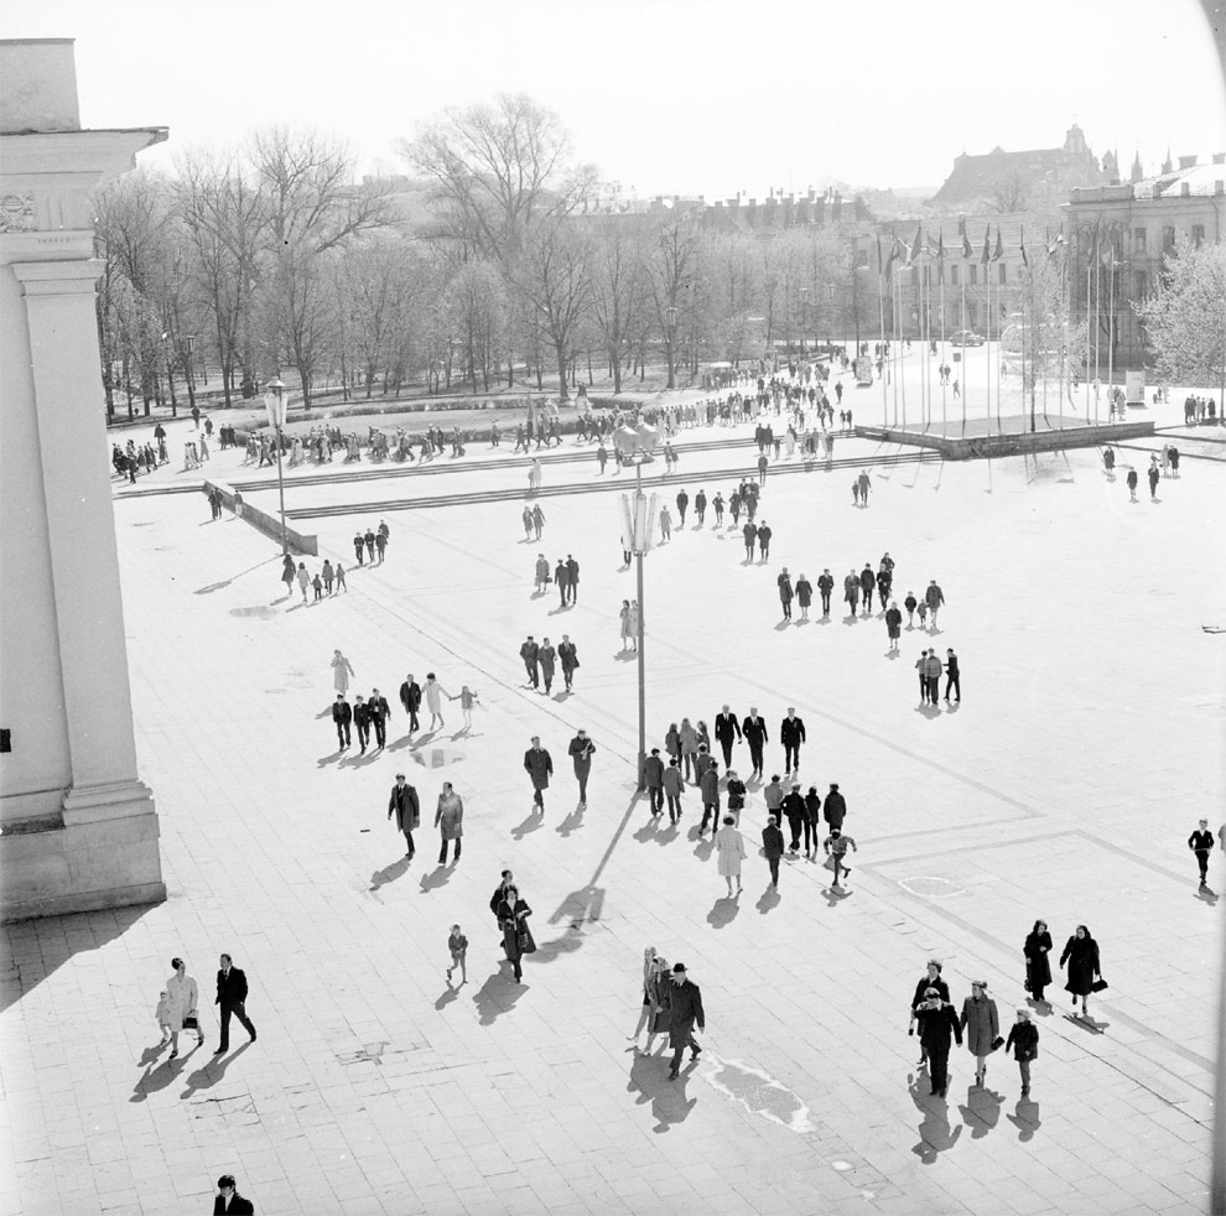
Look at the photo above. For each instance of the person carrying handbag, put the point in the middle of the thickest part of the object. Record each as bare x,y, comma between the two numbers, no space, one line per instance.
517,939
183,998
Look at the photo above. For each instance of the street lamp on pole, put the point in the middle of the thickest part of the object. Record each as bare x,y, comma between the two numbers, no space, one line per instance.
638,514
275,405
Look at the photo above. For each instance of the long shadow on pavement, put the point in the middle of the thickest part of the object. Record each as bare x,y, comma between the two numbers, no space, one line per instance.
935,1137
981,1111
440,877
1026,1119
723,912
649,1080
497,996
210,1073
380,878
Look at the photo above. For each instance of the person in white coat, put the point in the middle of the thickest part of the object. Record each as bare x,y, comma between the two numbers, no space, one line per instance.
730,845
184,1001
342,670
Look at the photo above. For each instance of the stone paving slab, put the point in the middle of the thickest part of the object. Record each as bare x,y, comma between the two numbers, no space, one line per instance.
1063,787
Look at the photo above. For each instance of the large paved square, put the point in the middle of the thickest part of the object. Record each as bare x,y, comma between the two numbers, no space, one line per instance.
1064,786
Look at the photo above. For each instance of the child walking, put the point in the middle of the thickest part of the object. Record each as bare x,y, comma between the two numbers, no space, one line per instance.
457,944
163,1015
467,699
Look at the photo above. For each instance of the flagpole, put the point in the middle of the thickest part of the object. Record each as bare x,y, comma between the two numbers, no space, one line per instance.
902,383
1111,317
941,361
987,326
1098,305
885,397
1089,333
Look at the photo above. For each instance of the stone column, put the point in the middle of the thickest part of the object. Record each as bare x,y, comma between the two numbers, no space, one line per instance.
59,301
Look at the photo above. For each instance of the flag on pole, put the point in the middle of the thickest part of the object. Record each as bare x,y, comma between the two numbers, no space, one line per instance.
967,251
986,256
889,262
917,246
940,255
999,251
880,263
1022,243
1054,246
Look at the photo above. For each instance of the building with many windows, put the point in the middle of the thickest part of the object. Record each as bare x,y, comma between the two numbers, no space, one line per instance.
1117,236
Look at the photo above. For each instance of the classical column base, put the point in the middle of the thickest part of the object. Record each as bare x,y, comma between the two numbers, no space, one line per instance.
104,854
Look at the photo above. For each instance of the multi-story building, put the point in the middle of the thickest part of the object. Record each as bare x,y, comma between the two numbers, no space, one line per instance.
1117,236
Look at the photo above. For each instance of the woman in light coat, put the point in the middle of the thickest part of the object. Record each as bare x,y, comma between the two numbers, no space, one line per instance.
730,845
449,819
689,747
342,669
648,1010
982,1025
184,998
624,617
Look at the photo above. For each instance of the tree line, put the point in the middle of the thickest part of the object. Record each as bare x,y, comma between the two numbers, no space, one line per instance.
271,257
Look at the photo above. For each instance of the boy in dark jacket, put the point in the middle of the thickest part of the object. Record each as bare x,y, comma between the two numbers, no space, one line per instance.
1024,1039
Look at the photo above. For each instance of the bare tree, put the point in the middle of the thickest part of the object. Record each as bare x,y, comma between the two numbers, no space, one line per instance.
1010,193
314,211
671,266
619,286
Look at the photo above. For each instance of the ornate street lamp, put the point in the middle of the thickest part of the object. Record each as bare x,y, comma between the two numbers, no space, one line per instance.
275,406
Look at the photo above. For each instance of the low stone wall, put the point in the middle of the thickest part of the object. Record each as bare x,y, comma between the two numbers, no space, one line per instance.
981,447
261,521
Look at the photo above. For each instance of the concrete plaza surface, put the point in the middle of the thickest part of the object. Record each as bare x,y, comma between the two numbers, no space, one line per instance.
1065,785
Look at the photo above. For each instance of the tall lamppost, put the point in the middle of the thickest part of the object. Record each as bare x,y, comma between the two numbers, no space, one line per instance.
275,404
638,513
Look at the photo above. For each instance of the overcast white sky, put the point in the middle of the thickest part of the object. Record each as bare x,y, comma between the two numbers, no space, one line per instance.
675,96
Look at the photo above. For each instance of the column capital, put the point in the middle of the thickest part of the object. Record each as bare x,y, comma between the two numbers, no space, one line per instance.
70,276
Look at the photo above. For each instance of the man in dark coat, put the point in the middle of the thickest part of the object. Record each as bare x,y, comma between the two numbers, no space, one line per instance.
825,585
764,540
653,778
342,715
410,698
754,731
581,751
529,652
708,786
868,582
361,720
937,1022
953,675
750,533
791,735
232,997
568,657
572,584
561,576
683,501
379,711
835,809
727,732
538,764
684,1013
407,808
1201,843
772,846
228,1202
700,506
359,548
794,811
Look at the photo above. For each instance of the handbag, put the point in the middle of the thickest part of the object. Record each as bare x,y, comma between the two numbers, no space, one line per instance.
998,1042
524,941
1099,985
191,1022
659,1022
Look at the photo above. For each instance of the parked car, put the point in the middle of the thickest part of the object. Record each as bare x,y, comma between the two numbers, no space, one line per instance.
967,337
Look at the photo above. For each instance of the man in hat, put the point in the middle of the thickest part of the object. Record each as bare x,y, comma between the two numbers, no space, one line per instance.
684,1012
937,1022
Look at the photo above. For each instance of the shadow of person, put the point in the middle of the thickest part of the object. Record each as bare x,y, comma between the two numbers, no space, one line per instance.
331,758
648,831
1086,1023
981,1111
851,618
150,1054
784,624
533,823
570,823
398,744
769,899
705,847
723,912
440,876
498,995
154,1079
380,878
1207,895
1025,1118
929,711
452,993
211,1072
553,949
649,1081
835,895
425,737
935,1137
669,834
361,760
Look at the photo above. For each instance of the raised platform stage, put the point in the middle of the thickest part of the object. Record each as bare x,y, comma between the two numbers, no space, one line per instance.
984,438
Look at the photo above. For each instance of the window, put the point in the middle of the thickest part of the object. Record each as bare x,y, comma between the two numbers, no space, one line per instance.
1138,240
1000,272
1198,235
1140,285
972,312
1168,238
974,274
954,272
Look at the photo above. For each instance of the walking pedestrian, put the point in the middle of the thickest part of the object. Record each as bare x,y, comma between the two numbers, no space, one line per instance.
708,786
538,764
934,597
1024,1040
404,804
541,576
341,585
342,716
1154,475
572,580
529,652
547,656
1201,844
791,735
380,711
825,585
932,669
730,845
784,583
753,729
626,625
182,1005
764,540
666,526
449,819
750,534
793,808
232,997
812,822
851,593
651,965
893,629
685,1012
931,979
513,913
953,675
538,516
1131,481
910,604
304,580
868,584
361,721
561,576
410,699
359,548
981,1023
864,488
1084,963
921,669
457,947
581,751
937,1023
734,787
568,657
434,693
772,847
342,671
683,501
700,507
1035,950
804,596
727,732
836,847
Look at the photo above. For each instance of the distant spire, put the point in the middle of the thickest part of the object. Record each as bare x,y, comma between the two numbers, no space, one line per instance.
1168,165
1137,172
